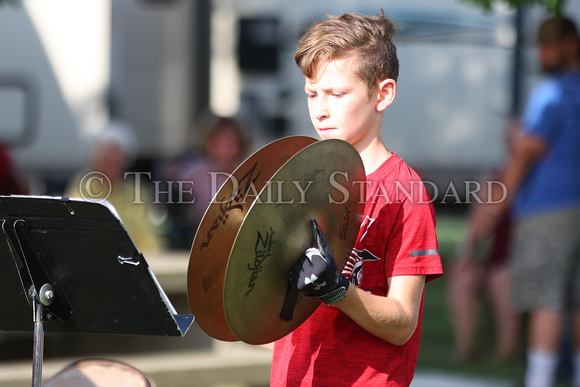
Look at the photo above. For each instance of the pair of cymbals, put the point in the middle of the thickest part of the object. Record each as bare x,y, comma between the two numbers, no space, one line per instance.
258,225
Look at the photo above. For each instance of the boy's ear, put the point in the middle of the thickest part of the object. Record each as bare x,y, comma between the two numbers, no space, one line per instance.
387,92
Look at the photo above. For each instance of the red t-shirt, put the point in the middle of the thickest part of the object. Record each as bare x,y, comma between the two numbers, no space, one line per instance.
397,237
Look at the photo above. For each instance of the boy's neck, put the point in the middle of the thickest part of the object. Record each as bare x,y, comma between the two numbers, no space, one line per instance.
373,155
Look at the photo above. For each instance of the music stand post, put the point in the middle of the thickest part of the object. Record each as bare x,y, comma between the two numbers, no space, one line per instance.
38,343
40,301
79,271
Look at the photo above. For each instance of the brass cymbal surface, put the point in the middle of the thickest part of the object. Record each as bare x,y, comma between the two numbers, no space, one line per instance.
323,181
218,229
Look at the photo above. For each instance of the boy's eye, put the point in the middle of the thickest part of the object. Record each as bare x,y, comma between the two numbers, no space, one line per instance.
310,95
337,94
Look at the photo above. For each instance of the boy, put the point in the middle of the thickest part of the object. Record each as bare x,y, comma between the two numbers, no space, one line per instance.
366,334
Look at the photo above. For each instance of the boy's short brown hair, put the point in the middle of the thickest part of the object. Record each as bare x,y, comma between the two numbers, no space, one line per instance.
366,38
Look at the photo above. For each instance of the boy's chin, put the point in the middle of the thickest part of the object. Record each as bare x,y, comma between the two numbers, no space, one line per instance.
329,134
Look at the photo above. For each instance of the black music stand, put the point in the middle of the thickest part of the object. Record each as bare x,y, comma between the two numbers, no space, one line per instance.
79,270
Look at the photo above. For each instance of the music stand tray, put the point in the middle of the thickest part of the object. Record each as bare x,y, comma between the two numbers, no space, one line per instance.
75,265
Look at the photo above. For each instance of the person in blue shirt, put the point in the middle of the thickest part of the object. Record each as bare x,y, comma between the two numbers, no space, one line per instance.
542,190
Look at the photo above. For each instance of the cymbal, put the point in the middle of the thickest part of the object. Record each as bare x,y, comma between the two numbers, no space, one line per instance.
217,231
323,181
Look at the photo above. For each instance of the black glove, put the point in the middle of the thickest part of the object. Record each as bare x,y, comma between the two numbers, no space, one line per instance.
316,275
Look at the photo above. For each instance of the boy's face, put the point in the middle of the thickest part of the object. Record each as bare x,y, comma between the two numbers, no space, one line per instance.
340,106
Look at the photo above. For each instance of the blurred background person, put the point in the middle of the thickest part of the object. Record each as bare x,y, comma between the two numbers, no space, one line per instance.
220,150
10,184
111,154
543,190
480,273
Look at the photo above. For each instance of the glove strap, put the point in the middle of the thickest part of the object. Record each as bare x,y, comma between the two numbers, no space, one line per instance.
334,296
337,294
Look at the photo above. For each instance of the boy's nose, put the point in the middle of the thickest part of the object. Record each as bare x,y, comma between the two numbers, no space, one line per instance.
321,111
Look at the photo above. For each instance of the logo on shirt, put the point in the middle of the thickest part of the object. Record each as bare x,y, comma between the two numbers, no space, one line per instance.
354,267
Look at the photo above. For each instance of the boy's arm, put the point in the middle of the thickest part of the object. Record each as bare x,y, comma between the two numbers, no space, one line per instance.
392,318
527,151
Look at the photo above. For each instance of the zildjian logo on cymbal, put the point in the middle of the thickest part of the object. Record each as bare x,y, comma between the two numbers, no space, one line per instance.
262,250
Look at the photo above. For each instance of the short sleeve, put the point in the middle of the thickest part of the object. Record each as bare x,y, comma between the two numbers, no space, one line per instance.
541,116
412,247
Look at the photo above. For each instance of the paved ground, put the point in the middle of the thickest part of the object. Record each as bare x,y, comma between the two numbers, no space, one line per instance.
438,379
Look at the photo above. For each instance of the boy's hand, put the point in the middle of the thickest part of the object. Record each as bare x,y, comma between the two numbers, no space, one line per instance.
316,274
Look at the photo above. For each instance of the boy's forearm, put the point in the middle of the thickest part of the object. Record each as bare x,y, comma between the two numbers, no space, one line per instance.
391,318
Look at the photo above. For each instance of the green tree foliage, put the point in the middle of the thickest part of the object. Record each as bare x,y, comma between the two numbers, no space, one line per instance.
8,2
552,6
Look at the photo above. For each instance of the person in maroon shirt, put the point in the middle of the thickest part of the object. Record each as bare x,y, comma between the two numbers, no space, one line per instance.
10,184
